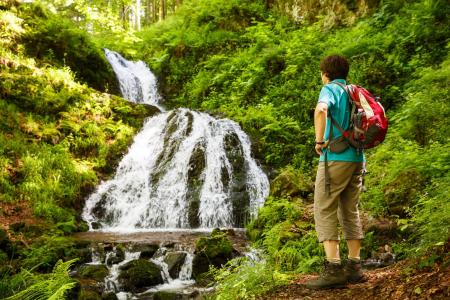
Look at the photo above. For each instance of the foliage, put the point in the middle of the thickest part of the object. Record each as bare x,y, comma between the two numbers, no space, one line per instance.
46,252
412,166
52,39
53,286
241,278
285,230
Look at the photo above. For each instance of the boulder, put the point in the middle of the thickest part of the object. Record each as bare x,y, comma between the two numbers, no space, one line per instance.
215,250
147,250
89,295
109,296
166,295
96,272
175,261
137,275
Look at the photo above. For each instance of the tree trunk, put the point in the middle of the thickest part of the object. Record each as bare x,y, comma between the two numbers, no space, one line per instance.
154,11
163,9
148,12
137,14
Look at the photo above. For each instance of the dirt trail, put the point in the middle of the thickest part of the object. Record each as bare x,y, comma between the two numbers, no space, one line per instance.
394,282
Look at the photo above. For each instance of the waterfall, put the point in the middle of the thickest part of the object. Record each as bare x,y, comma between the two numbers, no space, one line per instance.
185,169
137,83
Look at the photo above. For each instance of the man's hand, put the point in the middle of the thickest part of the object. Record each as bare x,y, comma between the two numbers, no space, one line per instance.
319,147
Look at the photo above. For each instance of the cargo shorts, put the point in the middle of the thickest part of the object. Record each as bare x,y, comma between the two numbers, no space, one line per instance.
341,205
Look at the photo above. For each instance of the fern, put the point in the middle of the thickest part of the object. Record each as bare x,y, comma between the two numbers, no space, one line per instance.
51,287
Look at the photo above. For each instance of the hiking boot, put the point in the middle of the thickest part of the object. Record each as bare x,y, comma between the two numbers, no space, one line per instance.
353,271
333,276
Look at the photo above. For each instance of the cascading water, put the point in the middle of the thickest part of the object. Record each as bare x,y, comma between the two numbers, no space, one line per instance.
137,83
185,169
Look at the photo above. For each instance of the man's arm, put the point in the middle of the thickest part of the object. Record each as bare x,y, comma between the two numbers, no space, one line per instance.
320,117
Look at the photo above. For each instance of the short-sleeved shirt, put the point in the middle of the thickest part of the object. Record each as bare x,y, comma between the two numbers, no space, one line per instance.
337,100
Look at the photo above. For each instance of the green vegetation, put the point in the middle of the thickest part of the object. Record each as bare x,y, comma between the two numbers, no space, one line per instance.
53,286
242,60
58,138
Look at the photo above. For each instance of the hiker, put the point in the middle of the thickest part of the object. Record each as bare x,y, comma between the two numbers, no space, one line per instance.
338,181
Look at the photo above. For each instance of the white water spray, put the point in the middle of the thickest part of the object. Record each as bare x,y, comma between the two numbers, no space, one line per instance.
185,169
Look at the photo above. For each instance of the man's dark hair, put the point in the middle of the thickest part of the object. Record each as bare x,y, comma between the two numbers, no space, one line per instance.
335,67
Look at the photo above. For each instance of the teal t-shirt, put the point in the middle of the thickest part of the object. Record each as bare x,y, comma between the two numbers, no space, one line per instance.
337,100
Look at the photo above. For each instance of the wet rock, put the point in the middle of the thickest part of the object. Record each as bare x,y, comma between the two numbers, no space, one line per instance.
117,256
96,272
197,164
137,275
86,289
215,250
84,256
168,244
147,250
175,261
89,295
239,196
171,146
109,296
96,225
108,247
165,295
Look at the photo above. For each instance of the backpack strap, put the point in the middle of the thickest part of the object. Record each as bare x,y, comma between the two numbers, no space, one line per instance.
352,142
344,134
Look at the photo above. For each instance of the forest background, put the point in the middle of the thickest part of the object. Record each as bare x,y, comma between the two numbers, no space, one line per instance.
63,129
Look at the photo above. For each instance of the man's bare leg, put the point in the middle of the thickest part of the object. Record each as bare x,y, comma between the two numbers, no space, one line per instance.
354,248
332,251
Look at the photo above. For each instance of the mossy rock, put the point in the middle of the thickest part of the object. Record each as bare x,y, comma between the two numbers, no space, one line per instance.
138,275
215,250
165,295
175,261
96,272
89,295
147,250
292,183
109,296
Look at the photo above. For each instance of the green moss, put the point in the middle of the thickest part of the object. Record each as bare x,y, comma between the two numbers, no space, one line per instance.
217,244
138,275
96,272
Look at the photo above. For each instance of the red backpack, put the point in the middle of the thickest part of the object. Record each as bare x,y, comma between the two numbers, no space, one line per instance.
368,122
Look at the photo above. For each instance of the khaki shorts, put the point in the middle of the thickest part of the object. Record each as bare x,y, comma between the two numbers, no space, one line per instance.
342,203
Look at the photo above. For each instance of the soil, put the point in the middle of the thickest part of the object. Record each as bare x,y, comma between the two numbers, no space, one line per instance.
13,213
397,282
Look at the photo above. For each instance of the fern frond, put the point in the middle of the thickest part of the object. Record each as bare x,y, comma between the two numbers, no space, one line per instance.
52,286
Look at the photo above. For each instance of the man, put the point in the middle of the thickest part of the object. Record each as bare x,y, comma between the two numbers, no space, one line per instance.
338,181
